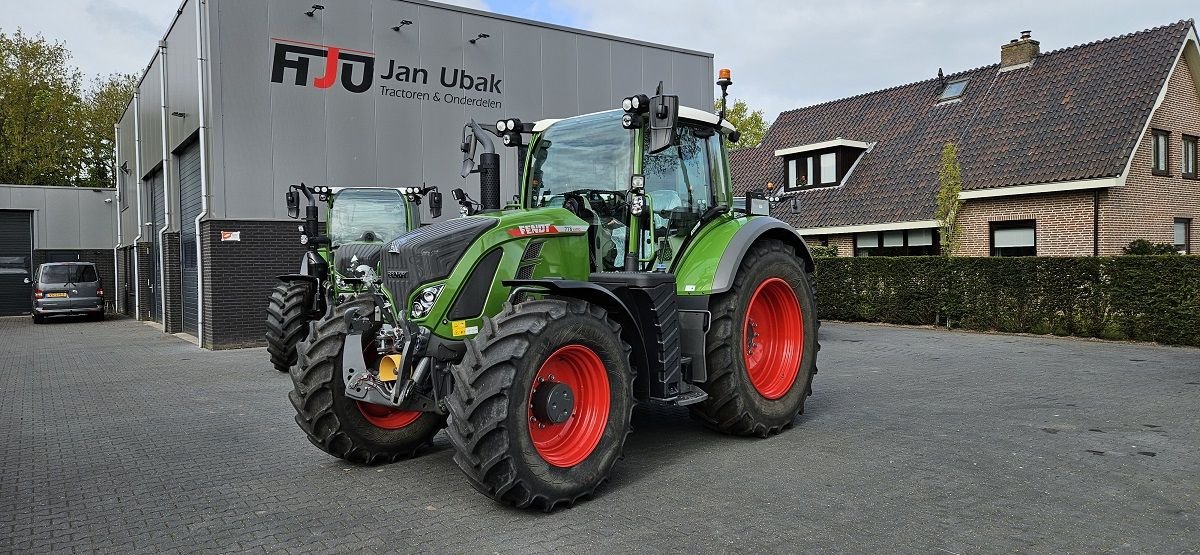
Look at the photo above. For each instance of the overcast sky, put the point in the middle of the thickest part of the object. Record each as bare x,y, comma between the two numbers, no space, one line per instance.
784,54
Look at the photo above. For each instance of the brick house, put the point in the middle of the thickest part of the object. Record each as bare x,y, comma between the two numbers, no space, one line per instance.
1074,152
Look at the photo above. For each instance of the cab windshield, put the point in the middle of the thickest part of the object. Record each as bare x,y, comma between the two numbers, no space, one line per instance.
367,215
589,156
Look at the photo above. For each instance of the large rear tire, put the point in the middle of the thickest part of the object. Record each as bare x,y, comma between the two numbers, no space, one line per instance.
507,438
345,428
287,322
762,346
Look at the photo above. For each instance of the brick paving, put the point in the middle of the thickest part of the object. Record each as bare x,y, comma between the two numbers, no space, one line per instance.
117,438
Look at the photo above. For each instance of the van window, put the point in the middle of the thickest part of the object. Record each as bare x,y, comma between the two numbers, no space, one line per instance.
68,273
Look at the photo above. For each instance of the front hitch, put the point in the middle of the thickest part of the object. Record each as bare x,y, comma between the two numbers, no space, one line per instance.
363,384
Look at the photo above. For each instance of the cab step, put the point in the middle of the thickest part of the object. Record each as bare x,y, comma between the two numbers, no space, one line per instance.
690,397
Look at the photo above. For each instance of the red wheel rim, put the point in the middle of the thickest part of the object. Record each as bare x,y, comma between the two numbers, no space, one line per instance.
386,418
568,443
773,338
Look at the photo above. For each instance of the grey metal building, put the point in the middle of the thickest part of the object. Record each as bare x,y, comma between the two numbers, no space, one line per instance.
51,224
246,97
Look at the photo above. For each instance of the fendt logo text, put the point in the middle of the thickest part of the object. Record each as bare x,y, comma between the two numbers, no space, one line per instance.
298,63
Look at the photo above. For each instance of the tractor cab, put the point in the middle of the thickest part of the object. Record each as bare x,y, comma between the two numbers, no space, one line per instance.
611,177
368,215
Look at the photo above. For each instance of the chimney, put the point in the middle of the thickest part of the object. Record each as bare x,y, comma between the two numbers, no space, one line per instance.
1019,51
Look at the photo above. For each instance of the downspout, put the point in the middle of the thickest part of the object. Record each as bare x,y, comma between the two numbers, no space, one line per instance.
166,160
201,66
137,168
117,289
1096,222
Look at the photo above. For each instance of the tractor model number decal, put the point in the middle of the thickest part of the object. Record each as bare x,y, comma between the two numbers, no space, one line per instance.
545,229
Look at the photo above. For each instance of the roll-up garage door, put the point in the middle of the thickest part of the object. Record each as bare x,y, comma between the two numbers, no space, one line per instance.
189,208
16,261
159,210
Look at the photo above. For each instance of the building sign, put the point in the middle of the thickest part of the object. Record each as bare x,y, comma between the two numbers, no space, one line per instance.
298,63
231,235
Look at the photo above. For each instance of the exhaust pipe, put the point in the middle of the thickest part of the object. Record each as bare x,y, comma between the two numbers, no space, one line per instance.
488,168
489,181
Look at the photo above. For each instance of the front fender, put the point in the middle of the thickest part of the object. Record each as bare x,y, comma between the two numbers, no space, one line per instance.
711,264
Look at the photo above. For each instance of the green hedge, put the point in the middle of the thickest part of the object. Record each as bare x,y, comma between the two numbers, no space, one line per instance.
1145,298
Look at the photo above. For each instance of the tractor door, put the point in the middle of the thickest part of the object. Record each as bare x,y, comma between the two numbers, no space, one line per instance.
679,182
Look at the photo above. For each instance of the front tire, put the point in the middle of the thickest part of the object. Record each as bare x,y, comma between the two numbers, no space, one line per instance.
287,322
761,348
508,439
345,428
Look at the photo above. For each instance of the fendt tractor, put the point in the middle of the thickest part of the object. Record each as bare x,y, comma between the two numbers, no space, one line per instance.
358,221
622,273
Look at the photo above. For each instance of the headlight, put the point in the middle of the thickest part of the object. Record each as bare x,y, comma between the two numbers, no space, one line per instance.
423,302
513,124
627,104
501,126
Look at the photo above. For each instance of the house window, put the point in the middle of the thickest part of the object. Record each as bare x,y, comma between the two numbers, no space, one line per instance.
1189,157
954,90
815,170
1014,238
911,242
1183,235
1161,163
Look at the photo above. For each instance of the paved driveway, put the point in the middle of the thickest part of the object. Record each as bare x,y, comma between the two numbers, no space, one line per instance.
115,437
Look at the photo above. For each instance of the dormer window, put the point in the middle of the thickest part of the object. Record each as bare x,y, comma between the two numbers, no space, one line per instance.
823,164
954,89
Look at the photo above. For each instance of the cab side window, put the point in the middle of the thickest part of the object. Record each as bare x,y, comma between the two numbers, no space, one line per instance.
679,183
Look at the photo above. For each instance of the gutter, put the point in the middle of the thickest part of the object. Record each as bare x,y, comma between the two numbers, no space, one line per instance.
166,159
137,163
201,67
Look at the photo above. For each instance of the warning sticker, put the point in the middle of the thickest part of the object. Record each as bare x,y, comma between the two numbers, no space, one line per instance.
458,328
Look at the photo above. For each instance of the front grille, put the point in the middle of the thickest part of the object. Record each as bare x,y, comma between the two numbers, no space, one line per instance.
429,253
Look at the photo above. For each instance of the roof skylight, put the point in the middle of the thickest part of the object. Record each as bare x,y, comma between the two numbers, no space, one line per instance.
954,89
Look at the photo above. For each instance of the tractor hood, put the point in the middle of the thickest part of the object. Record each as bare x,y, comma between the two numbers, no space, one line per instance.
429,253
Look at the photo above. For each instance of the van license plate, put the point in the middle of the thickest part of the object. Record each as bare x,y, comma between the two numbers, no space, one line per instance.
55,295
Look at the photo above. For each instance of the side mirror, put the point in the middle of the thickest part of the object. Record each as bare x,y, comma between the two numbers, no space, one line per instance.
27,280
293,204
435,204
664,114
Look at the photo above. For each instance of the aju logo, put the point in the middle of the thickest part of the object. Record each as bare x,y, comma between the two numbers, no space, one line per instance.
356,67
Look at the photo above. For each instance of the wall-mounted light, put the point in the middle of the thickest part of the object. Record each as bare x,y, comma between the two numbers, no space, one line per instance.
479,38
314,10
107,201
178,114
401,24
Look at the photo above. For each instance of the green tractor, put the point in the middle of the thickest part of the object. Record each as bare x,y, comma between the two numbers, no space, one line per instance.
623,273
359,220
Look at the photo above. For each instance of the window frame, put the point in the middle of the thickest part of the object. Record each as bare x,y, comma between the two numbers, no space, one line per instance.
1195,144
905,249
942,97
1165,169
1187,235
1011,224
811,160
